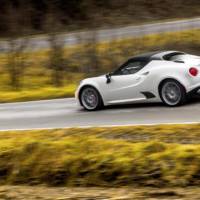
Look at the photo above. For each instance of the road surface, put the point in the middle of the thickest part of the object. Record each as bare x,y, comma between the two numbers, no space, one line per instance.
62,113
41,42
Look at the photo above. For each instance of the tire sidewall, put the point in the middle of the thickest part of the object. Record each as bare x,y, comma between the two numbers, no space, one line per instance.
182,90
99,100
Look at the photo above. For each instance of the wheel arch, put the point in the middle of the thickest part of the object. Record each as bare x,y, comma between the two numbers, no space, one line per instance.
88,85
168,79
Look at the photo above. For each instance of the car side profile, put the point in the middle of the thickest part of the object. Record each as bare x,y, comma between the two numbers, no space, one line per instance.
165,76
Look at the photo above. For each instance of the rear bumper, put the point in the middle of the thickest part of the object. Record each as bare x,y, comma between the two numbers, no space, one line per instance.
194,91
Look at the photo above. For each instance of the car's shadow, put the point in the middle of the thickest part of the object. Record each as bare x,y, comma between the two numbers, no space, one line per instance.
134,105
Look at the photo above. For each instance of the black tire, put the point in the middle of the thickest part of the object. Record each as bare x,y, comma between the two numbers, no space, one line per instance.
176,96
88,104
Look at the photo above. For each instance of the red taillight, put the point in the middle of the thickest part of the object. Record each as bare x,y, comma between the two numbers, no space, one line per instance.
193,71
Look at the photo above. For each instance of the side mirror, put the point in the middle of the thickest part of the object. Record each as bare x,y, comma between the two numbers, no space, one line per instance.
108,78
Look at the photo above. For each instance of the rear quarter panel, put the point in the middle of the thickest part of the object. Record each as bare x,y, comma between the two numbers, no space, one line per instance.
161,70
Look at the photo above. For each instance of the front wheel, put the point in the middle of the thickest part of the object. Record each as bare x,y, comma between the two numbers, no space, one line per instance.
91,99
172,93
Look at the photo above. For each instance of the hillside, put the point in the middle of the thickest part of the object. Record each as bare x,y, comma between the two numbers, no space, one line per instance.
34,16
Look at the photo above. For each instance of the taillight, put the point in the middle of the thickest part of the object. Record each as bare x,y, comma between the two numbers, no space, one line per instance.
193,71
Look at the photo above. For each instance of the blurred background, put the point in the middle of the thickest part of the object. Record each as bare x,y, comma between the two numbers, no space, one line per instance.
48,46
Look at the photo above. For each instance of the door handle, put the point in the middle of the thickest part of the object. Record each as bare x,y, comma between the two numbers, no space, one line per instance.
145,73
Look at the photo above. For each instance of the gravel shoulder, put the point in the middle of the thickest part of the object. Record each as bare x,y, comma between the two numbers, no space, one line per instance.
62,193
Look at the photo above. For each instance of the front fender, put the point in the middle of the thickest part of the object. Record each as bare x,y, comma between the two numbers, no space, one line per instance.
85,83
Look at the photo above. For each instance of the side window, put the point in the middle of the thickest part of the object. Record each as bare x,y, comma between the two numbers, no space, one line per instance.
130,67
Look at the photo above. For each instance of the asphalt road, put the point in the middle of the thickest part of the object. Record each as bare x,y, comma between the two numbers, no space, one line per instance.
41,42
66,113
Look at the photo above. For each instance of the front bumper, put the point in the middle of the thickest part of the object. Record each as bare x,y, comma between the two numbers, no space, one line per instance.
77,96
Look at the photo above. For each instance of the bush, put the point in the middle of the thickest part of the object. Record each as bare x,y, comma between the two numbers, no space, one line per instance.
99,157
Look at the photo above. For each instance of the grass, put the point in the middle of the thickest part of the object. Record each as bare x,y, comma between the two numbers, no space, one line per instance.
37,94
166,155
36,80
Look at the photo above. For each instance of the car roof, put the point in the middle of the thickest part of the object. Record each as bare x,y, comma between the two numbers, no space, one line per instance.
156,55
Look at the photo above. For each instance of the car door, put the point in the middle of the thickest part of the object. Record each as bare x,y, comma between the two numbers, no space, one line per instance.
125,83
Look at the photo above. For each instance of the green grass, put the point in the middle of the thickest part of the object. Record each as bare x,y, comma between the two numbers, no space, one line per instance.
144,155
36,80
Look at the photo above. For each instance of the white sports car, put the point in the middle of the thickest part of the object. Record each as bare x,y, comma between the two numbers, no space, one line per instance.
167,76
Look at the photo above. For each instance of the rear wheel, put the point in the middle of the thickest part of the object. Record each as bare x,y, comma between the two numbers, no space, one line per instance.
172,93
91,99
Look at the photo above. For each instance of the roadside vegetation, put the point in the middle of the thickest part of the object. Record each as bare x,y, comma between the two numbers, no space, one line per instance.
157,156
54,73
